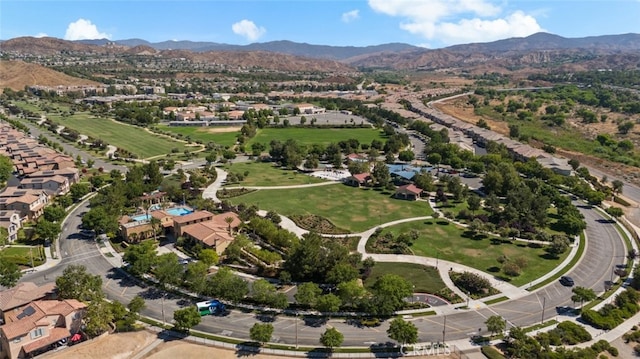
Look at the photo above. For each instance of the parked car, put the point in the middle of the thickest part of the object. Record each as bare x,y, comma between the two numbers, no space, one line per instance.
87,233
567,281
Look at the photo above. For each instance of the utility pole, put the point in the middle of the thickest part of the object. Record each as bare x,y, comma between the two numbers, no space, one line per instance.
444,328
544,303
31,255
296,330
163,318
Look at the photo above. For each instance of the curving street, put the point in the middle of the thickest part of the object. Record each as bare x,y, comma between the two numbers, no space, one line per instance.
605,249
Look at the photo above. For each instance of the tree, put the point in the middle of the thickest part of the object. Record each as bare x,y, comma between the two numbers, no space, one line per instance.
617,186
495,324
168,269
331,338
435,159
208,256
98,318
76,283
381,174
186,318
136,304
47,230
351,293
141,257
196,276
474,202
226,285
406,156
54,213
582,294
79,190
559,245
402,331
307,294
261,333
10,273
389,292
228,220
329,303
6,168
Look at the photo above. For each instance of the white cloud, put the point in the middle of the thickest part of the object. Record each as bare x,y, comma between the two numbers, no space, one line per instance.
41,34
457,21
350,16
248,29
84,29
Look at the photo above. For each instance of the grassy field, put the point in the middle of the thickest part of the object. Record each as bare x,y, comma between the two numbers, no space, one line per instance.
131,138
265,174
226,136
22,256
354,209
448,242
425,279
310,135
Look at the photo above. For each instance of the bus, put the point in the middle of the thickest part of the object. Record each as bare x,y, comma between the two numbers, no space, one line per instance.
210,307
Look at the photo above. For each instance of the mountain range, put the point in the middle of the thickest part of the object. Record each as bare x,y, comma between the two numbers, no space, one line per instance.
540,49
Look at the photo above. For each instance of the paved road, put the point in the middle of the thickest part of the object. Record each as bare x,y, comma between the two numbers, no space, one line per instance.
604,251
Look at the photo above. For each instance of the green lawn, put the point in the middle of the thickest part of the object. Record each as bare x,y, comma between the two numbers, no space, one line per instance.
265,174
131,138
354,209
425,279
447,241
311,135
205,134
22,255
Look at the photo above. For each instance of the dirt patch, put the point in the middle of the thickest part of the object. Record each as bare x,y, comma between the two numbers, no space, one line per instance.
114,346
181,349
220,129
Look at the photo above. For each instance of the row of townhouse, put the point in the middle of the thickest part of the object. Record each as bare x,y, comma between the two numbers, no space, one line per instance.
33,321
41,174
229,113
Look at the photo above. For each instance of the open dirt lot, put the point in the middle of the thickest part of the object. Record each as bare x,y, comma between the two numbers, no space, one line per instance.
146,345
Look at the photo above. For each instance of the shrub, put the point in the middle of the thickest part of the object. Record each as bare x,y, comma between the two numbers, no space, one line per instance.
491,352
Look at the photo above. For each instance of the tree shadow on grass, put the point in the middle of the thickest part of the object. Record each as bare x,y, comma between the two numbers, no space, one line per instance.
493,269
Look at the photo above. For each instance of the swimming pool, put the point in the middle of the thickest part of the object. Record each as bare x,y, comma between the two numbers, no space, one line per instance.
141,217
179,211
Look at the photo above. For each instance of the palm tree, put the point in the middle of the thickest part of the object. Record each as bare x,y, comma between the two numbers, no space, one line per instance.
155,224
229,220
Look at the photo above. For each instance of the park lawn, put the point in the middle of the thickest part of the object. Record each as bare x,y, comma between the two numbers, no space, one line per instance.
266,174
350,208
131,138
447,241
425,279
319,135
22,255
226,136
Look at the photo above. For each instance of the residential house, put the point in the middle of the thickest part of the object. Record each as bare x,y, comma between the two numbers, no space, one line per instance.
22,294
72,174
39,326
55,185
11,221
29,203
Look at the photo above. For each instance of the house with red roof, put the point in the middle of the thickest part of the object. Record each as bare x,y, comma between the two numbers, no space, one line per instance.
40,326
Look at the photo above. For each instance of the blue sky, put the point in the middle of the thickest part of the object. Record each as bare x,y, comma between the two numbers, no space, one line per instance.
428,23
